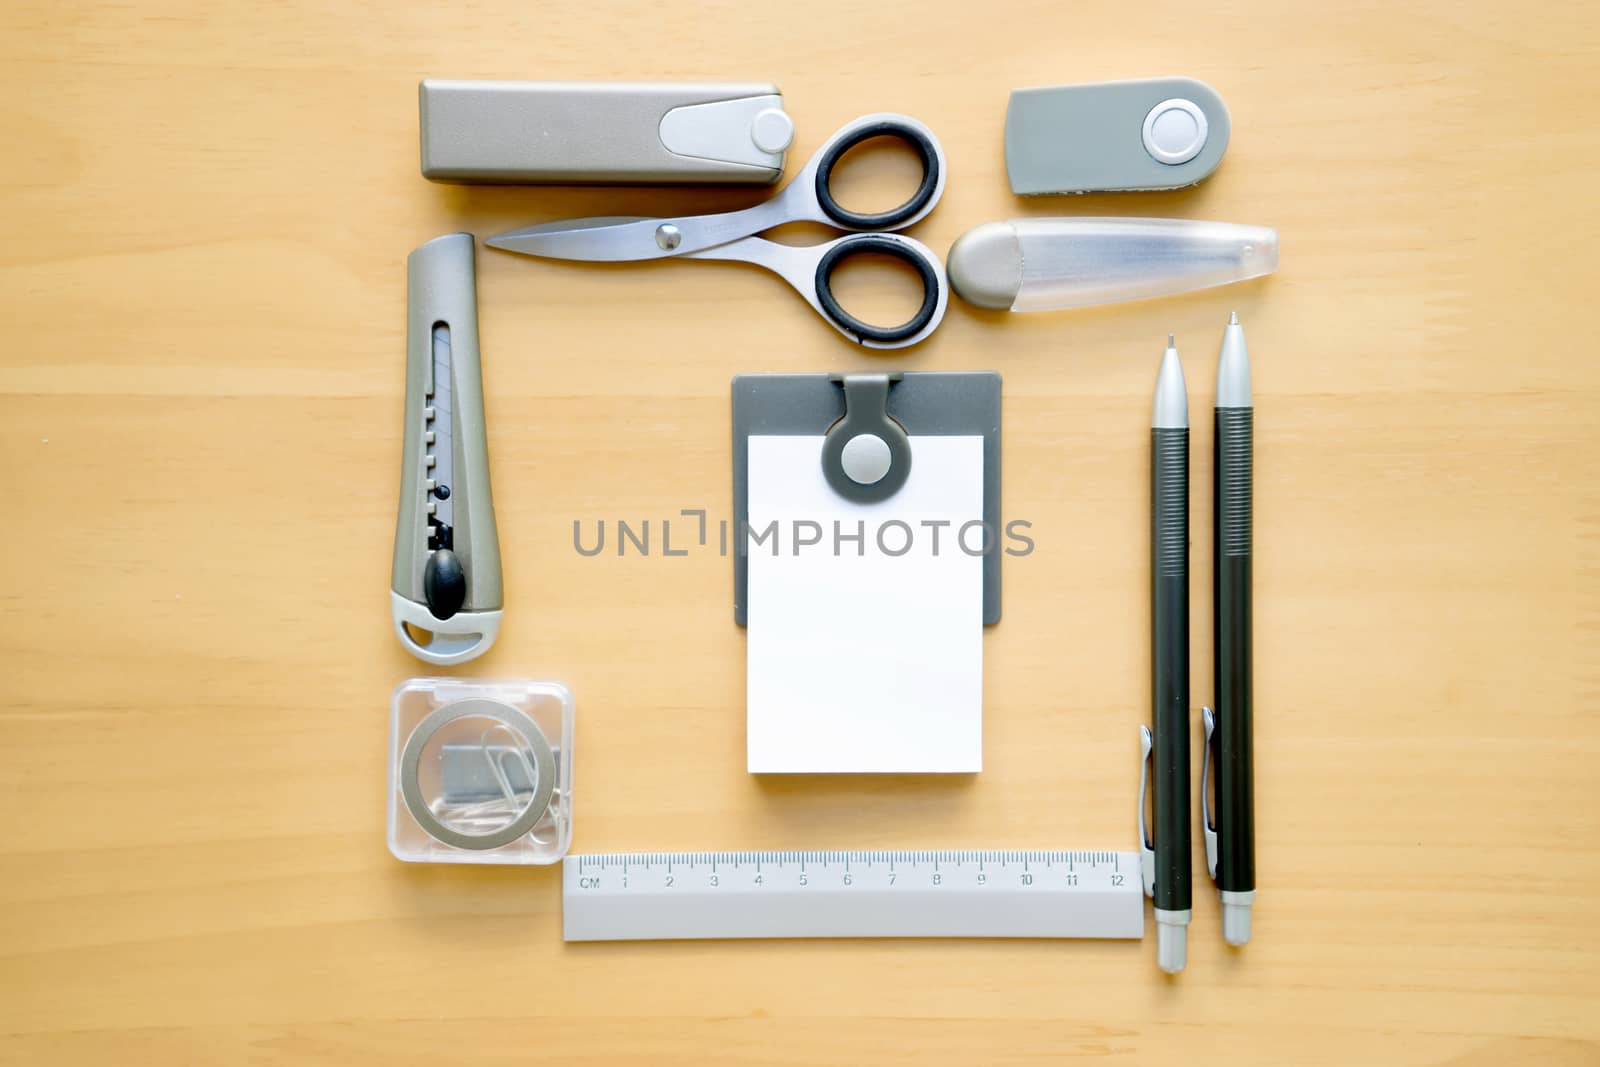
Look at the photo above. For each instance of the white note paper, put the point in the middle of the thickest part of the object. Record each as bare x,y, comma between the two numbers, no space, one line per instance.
865,655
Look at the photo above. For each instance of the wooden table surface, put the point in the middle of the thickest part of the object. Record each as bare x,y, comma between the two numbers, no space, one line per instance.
206,211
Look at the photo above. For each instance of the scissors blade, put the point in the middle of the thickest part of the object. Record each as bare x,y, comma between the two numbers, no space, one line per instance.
608,239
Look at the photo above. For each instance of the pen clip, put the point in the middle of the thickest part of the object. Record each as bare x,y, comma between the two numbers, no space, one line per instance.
1147,846
1208,825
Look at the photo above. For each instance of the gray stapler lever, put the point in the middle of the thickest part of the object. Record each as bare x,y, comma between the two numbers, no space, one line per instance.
445,590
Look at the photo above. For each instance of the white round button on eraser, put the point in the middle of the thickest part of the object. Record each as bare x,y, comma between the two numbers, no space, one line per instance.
1174,131
865,458
772,130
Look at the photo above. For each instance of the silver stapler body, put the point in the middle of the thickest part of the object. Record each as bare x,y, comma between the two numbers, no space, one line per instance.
581,133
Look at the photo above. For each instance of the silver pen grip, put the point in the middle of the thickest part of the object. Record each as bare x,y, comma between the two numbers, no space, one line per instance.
1235,427
1170,501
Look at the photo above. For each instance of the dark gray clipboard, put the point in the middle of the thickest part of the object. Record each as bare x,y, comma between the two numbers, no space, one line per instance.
926,403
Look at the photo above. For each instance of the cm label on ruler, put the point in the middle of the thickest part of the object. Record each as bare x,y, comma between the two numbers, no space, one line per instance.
656,896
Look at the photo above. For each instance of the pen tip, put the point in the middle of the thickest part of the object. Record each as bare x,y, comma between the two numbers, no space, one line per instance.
1170,341
1233,319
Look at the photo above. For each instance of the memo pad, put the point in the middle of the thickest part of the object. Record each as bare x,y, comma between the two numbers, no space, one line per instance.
865,593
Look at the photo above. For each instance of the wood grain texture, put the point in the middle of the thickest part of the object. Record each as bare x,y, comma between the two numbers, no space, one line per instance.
206,210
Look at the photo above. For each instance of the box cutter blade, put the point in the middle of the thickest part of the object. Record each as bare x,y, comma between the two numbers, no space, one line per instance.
445,590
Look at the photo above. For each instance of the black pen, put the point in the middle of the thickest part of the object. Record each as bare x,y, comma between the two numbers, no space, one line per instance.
1231,836
1166,852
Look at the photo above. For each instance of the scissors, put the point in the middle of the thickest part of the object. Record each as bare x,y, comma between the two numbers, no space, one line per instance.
808,198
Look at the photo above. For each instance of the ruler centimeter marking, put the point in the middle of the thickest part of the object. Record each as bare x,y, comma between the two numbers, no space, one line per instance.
654,896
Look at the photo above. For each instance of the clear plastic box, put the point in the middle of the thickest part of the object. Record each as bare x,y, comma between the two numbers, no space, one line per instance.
480,771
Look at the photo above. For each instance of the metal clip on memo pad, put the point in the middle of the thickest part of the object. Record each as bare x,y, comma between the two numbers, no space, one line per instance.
446,577
480,772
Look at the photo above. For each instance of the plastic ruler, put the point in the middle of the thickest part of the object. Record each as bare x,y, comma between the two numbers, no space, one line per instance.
652,896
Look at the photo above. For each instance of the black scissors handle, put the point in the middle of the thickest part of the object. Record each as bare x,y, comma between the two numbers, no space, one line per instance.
920,142
933,287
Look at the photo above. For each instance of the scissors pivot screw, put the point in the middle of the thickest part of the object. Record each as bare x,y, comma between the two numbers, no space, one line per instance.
668,237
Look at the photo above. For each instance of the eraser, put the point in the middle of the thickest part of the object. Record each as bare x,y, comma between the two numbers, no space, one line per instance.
1156,133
